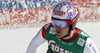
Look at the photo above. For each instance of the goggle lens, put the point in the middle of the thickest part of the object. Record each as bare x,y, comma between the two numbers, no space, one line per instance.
60,23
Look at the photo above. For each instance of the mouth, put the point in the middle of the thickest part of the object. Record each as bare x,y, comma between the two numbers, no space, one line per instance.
58,32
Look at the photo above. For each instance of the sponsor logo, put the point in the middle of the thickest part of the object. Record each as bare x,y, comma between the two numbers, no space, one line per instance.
52,30
92,47
83,33
64,11
81,42
56,48
60,13
9,4
70,43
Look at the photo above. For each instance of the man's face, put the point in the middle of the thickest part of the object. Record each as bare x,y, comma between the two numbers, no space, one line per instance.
61,27
61,32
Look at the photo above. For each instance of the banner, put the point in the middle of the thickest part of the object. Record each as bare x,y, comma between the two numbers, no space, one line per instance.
23,4
14,12
39,11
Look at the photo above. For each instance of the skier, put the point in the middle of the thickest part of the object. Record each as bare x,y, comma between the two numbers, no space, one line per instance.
61,33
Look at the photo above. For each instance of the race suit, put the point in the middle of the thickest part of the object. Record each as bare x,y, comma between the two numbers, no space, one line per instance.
79,43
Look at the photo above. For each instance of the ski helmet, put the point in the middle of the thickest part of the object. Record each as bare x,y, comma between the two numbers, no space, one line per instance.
66,11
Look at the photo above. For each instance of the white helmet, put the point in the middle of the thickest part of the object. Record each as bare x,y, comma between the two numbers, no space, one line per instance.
66,11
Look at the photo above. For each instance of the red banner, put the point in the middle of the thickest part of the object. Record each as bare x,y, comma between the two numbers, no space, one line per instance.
26,16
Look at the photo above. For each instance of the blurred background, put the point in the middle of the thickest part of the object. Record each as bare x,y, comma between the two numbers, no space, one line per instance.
20,20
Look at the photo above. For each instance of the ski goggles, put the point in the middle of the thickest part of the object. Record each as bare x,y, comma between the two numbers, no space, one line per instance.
59,23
